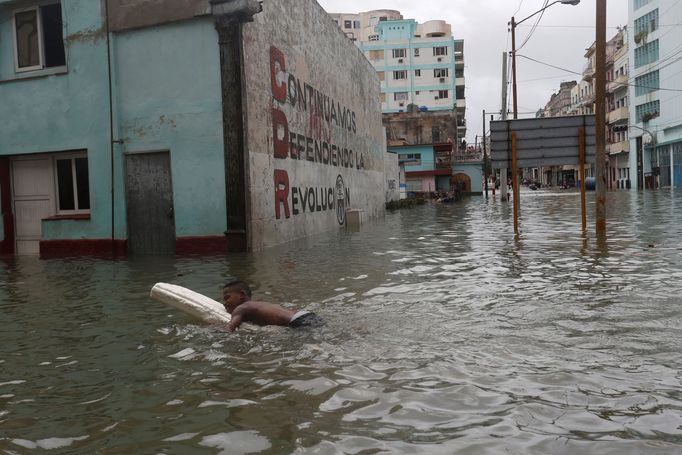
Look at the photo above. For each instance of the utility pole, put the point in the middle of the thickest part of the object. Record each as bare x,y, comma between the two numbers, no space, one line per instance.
503,171
485,161
600,118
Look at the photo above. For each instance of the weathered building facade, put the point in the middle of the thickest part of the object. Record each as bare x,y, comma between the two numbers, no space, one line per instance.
188,126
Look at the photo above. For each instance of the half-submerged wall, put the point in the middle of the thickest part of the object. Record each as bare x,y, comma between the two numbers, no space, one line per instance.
313,125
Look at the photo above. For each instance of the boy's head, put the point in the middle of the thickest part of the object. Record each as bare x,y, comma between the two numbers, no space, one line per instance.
234,294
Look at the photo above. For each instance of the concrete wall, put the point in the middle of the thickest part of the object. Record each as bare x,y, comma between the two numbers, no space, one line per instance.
127,14
314,136
419,127
474,171
168,98
392,176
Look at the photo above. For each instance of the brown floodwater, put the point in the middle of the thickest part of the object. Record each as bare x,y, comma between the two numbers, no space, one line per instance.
445,334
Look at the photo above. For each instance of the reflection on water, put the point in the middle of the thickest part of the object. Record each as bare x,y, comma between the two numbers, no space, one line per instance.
446,334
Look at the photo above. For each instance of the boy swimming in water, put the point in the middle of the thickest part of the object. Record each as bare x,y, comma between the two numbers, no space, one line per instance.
237,301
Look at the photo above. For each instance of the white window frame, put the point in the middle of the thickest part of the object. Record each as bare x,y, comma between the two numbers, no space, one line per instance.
440,51
70,156
443,92
399,53
399,75
404,96
440,72
41,52
418,72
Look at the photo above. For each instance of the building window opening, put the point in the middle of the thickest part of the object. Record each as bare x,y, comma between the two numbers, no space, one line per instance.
440,50
38,38
73,185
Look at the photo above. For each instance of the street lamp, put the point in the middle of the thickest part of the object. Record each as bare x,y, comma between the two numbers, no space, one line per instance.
513,24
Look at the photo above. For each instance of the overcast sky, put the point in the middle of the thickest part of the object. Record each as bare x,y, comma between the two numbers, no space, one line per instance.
560,39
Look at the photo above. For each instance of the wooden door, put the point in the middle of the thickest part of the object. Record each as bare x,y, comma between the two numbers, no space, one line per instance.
32,199
149,204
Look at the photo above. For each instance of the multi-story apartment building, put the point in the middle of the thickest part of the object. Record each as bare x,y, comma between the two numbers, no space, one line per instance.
361,26
617,112
418,64
580,100
655,108
421,72
560,102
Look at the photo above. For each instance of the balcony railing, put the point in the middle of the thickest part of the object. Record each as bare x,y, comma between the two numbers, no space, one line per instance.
619,82
588,72
443,163
466,157
621,113
618,147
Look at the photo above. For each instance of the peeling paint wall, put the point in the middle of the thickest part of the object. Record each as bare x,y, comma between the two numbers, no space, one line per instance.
168,98
392,176
129,14
314,134
64,109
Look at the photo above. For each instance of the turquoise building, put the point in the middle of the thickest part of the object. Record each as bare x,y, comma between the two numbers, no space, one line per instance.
90,120
165,126
431,168
420,64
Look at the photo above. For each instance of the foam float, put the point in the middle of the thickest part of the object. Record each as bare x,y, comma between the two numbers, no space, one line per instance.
190,302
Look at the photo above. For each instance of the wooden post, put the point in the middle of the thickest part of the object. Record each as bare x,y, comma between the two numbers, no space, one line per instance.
581,140
515,186
600,118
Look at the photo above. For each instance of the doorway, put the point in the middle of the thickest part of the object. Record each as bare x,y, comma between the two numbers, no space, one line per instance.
149,204
32,201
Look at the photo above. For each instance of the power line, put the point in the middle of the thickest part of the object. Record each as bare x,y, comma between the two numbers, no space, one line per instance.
625,84
548,64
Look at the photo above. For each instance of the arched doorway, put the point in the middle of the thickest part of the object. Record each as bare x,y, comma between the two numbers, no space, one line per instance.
461,182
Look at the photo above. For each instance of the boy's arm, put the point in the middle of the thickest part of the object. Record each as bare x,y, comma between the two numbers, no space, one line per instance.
235,322
237,318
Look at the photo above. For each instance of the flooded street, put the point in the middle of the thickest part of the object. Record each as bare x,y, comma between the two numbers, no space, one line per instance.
444,335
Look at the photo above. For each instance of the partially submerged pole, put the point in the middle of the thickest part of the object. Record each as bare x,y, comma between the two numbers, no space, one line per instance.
581,141
515,186
600,118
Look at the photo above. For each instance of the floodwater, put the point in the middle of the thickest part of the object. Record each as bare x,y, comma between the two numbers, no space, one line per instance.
445,334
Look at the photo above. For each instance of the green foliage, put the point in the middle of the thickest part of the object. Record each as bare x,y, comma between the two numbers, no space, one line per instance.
404,203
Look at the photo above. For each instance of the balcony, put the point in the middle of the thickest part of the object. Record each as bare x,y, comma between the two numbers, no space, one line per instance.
461,103
618,83
466,157
587,100
443,163
621,113
618,147
588,72
435,28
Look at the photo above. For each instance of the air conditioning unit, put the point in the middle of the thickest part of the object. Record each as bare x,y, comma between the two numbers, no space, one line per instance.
442,79
436,97
440,59
400,60
401,104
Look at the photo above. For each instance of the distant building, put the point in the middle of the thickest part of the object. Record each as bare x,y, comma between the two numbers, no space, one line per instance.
560,102
617,112
655,108
577,98
362,26
420,66
431,168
